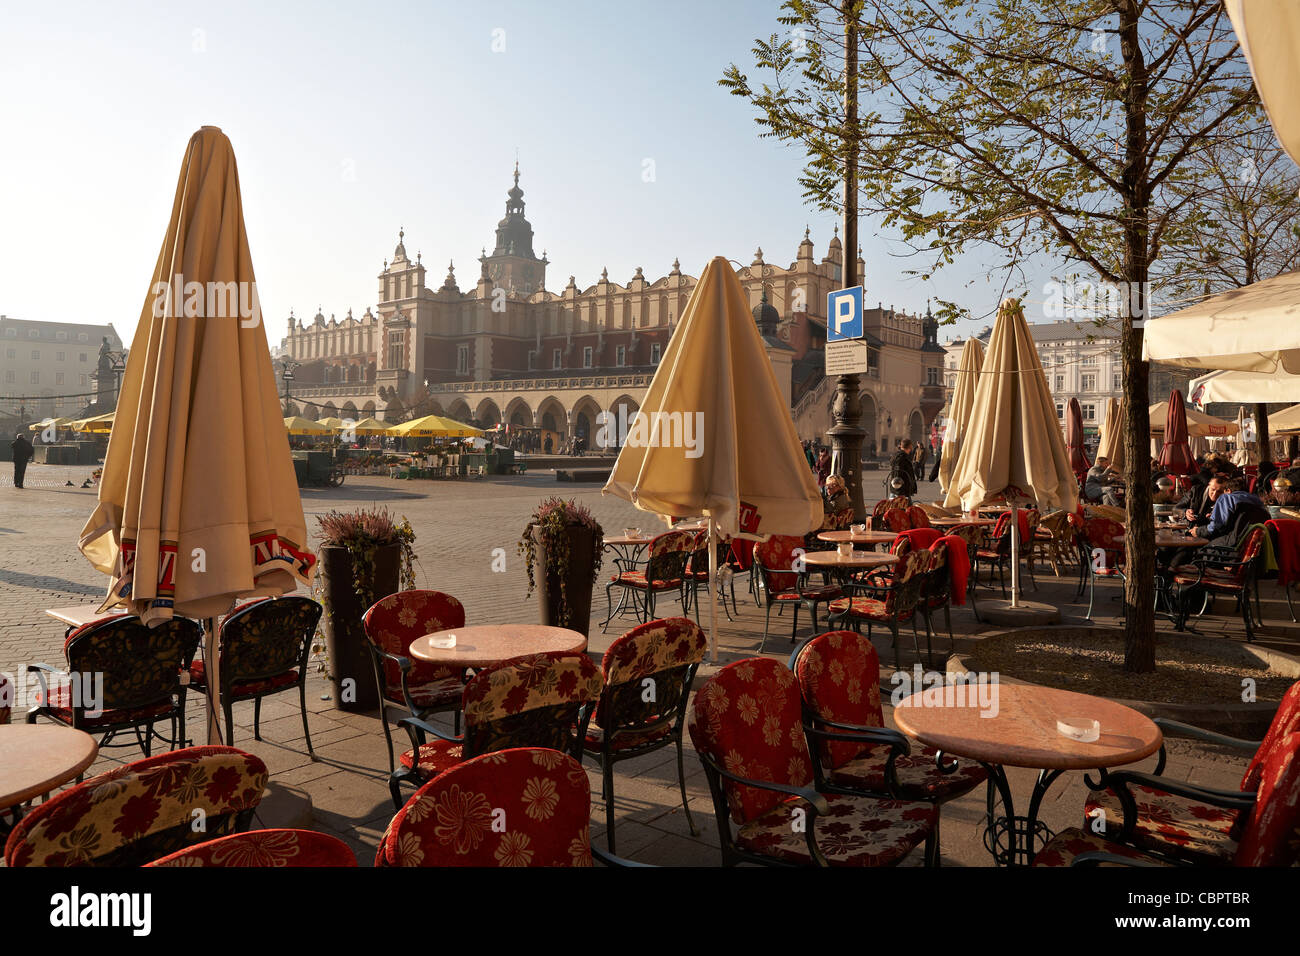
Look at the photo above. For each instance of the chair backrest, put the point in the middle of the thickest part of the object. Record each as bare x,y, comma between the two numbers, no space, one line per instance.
141,811
648,673
1251,545
889,504
141,665
1269,838
531,701
909,579
917,517
896,520
520,807
776,558
393,622
746,719
1102,533
265,848
267,638
842,520
1285,721
839,680
667,555
938,580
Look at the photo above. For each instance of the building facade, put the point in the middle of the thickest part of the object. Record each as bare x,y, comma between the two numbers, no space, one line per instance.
509,349
50,369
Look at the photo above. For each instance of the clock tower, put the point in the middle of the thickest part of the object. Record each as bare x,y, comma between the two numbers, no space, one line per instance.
512,265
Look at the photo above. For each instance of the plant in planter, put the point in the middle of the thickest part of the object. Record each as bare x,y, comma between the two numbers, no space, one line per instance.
562,546
365,555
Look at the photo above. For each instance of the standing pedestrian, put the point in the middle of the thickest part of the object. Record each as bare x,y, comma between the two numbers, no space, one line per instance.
22,450
823,467
901,468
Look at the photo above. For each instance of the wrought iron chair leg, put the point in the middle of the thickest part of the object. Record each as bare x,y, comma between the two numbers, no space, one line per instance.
767,618
388,736
257,718
1289,606
794,626
893,629
1092,593
306,731
681,784
607,769
932,846
230,724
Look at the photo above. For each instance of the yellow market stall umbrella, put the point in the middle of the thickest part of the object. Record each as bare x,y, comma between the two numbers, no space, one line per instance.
329,422
370,426
963,395
713,435
297,425
457,429
100,424
1199,424
1014,440
55,423
1111,444
429,426
198,503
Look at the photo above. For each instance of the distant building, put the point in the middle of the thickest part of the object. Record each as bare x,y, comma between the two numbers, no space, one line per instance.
49,369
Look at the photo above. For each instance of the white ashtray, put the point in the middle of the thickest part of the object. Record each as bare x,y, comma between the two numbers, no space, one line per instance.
1079,728
444,642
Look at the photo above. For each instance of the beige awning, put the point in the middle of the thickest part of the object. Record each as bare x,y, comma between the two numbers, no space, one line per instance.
1014,437
963,395
1269,33
1264,387
1199,424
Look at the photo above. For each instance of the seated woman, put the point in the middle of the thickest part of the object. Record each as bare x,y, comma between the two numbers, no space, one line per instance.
835,498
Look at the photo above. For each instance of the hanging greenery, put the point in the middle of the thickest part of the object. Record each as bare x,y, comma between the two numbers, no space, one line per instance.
549,525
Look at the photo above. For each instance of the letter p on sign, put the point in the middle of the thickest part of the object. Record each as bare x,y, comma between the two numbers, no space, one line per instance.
844,314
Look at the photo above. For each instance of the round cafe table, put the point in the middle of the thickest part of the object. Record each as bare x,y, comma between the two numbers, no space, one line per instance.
36,758
859,537
858,561
953,522
1022,732
482,645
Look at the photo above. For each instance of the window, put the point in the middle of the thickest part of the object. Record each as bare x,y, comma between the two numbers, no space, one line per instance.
395,349
1090,360
1090,383
82,337
532,359
1060,411
654,353
620,356
61,336
10,353
9,376
58,378
36,378
1060,383
33,333
462,360
36,353
586,357
1089,413
12,333
557,358
58,356
931,376
1117,382
81,357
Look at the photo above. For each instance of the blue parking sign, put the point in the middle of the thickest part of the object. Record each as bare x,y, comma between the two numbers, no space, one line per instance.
844,314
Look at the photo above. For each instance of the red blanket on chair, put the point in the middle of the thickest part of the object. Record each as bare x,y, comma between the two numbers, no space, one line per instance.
1288,549
959,563
920,538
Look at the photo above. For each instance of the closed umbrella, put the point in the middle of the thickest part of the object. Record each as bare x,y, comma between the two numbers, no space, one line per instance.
738,460
963,395
1111,444
1244,455
1074,440
1176,455
1014,444
198,503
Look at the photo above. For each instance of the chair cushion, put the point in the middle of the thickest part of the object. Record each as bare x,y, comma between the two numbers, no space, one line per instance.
866,608
624,741
245,688
827,593
1214,578
636,579
918,777
1169,824
435,757
435,694
1072,842
858,831
60,708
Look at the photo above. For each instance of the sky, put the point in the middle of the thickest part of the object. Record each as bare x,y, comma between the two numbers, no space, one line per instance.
350,121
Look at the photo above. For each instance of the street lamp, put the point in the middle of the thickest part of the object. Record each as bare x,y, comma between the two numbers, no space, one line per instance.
287,365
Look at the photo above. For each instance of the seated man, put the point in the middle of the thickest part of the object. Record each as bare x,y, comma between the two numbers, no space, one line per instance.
1102,484
1166,492
1235,509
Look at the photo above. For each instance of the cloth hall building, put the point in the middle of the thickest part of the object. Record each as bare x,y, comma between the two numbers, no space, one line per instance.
508,348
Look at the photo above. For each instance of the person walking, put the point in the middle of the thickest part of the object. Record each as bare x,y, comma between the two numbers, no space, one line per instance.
902,479
22,451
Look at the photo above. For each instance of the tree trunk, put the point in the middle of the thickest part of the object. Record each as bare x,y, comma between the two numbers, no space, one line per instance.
1261,432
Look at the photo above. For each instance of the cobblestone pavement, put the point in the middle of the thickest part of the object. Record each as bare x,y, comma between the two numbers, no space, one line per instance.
459,526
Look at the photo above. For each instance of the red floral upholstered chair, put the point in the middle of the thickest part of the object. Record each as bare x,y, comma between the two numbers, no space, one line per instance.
1105,537
1180,820
647,681
936,594
887,605
264,650
917,517
532,701
745,724
839,682
1221,571
542,796
6,698
138,812
665,571
697,571
775,559
1268,835
141,687
406,687
885,505
265,848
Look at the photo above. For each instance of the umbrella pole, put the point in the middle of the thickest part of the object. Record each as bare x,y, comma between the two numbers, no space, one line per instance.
212,677
1015,554
713,595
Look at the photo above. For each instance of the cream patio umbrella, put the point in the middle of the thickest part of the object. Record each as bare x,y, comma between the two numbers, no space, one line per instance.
198,504
1111,444
1199,424
1269,34
963,394
1287,420
1014,440
713,435
1240,387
